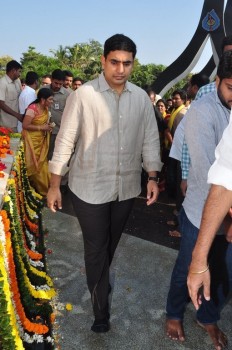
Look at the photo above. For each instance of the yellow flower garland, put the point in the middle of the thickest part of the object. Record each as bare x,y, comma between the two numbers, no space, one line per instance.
37,292
10,308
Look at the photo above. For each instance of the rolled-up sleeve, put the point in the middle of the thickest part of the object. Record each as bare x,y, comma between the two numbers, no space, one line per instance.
220,172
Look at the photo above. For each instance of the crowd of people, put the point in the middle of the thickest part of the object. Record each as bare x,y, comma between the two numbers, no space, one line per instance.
94,139
33,106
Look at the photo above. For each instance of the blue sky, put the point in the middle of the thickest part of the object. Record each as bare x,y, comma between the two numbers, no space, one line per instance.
160,29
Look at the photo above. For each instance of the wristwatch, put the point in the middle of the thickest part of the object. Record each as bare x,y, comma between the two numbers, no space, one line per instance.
153,178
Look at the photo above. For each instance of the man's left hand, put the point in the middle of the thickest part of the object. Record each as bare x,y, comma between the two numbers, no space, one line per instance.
152,192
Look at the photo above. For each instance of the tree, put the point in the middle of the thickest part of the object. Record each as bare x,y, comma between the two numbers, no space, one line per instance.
3,61
83,59
145,75
62,55
35,61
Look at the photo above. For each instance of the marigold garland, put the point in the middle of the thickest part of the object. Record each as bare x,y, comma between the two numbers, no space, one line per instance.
10,337
19,219
18,249
27,324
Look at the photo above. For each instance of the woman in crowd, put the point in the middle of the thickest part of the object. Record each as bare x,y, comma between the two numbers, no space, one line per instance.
161,106
36,136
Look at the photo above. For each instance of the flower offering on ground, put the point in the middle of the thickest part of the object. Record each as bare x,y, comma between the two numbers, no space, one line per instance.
26,315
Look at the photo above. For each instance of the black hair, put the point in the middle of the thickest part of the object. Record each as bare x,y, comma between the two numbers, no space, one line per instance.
182,94
78,79
68,73
161,100
224,70
13,65
226,41
199,80
42,93
58,74
31,78
47,76
119,42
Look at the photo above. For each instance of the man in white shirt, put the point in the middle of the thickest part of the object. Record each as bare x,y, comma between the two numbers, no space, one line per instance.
28,94
218,204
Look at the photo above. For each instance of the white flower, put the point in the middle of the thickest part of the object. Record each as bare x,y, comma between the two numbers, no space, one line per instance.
49,340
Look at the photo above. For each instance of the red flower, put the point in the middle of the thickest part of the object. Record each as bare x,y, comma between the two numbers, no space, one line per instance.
2,166
5,131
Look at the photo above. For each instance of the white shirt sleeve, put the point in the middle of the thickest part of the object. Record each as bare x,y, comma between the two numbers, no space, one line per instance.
220,172
25,98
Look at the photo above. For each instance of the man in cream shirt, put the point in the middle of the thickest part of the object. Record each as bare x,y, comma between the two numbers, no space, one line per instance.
10,88
110,127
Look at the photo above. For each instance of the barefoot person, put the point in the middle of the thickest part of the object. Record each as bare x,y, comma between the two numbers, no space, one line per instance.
110,124
205,122
218,203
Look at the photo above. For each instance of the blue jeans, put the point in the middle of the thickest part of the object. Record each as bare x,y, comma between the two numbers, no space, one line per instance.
220,259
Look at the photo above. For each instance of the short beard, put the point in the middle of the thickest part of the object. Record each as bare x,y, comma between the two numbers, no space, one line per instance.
221,98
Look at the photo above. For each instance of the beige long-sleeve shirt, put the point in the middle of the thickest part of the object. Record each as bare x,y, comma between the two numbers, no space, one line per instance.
111,136
9,93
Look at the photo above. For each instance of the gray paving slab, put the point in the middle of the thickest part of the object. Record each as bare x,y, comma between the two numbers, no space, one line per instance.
140,278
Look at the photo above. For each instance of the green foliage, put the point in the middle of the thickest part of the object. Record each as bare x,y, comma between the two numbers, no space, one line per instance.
3,62
35,61
83,60
145,75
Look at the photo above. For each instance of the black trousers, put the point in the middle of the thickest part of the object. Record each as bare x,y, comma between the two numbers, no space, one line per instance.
102,226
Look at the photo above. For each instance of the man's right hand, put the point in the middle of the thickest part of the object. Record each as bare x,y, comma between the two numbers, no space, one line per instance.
196,282
54,199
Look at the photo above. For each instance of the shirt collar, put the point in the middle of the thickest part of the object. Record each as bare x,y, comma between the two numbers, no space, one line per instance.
9,80
104,86
61,91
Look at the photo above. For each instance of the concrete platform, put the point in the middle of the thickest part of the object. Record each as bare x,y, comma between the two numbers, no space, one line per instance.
140,278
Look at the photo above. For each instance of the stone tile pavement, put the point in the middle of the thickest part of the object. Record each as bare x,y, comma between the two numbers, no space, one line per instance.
140,278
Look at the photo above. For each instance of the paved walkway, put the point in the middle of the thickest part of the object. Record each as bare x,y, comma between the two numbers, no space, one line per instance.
140,277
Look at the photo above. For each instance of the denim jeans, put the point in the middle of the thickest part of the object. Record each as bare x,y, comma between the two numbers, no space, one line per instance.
220,259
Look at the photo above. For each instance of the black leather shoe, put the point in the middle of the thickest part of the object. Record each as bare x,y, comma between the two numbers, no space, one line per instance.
101,326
